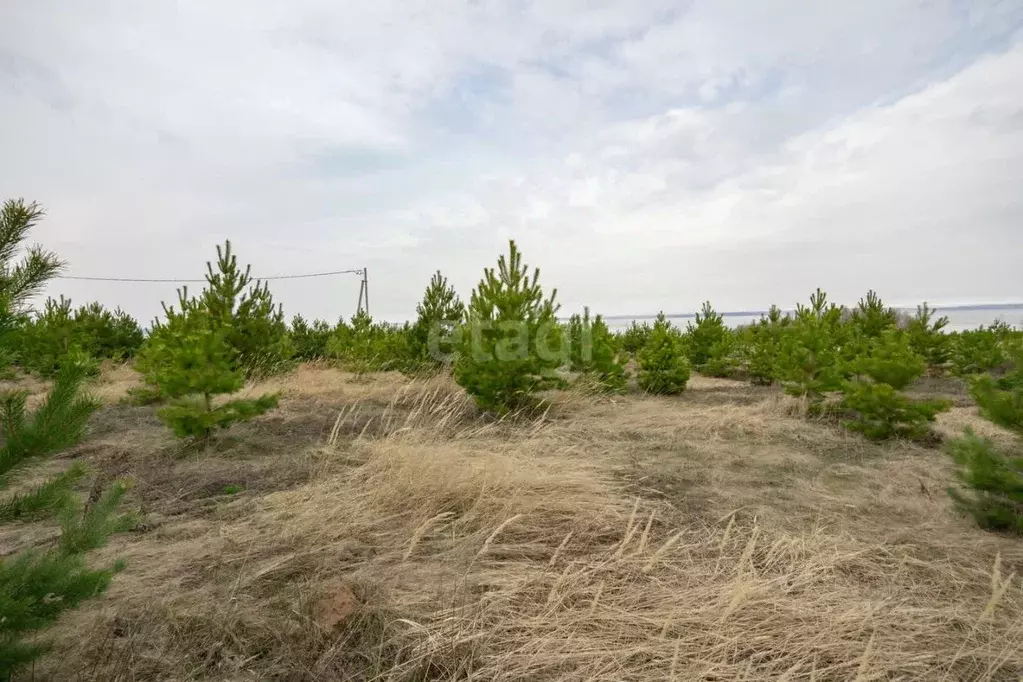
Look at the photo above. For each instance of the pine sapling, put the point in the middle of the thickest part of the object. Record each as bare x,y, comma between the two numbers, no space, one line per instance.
244,308
927,336
705,336
873,399
991,478
310,340
191,362
592,352
36,586
724,358
990,482
437,317
872,317
760,346
976,351
510,344
22,281
808,361
356,345
663,366
632,339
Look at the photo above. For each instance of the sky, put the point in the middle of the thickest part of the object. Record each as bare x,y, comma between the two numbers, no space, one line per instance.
644,154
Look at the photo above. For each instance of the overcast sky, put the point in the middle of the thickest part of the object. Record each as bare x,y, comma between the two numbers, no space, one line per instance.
645,154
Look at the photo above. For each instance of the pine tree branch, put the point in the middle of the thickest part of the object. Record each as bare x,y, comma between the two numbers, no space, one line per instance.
48,497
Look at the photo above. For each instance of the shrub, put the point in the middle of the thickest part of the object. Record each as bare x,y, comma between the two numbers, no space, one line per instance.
809,362
61,332
663,367
191,361
926,336
310,340
510,345
592,352
708,333
976,351
432,338
253,326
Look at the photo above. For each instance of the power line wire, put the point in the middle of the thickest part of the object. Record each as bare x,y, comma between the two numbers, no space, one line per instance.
194,281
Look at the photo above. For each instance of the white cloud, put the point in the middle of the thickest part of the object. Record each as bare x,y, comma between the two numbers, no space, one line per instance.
646,156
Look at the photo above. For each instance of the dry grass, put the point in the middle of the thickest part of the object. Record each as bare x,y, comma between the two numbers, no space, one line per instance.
714,536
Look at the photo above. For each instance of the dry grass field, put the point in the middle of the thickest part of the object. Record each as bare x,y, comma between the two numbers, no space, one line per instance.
381,530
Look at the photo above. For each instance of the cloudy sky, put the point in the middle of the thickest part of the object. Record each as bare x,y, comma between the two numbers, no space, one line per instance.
646,154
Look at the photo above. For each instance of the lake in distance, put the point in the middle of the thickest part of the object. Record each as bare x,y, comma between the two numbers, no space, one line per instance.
959,317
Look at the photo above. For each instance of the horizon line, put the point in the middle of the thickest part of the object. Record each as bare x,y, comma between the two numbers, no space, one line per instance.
752,313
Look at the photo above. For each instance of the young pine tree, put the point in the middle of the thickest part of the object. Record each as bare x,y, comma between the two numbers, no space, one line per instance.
761,351
21,281
760,346
633,338
872,317
37,585
991,479
357,345
511,344
927,337
190,360
592,352
115,335
245,310
976,351
663,366
873,399
808,361
706,337
310,340
44,341
725,357
60,333
399,350
432,336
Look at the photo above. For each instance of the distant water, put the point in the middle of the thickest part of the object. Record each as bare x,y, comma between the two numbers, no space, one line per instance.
959,317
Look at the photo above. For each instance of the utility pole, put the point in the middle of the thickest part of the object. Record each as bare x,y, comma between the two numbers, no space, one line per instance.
363,291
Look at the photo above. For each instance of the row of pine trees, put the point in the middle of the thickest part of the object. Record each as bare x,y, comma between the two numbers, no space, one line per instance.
506,347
